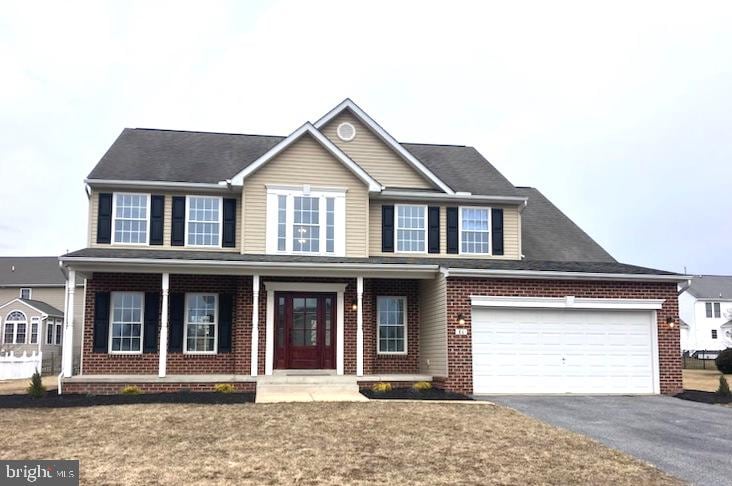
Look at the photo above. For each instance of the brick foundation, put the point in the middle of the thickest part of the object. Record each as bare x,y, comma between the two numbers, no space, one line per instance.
114,388
459,290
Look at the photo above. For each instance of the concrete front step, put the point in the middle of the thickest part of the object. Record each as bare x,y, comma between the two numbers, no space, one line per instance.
308,391
306,379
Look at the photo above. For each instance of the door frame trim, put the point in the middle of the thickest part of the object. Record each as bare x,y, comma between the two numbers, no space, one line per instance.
272,287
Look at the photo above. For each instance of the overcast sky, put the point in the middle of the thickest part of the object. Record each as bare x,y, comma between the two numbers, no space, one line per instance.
621,115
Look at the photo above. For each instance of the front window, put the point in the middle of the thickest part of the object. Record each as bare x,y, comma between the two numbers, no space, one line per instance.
25,293
392,325
713,310
201,323
50,326
311,222
204,221
125,322
15,328
59,331
475,230
411,229
34,330
306,229
131,213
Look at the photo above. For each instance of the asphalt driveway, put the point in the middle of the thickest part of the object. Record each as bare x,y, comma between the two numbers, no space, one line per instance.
692,441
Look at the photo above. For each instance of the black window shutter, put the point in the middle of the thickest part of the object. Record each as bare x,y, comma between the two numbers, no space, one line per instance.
433,229
101,321
178,222
387,229
229,231
226,310
452,230
497,230
152,317
104,218
175,326
157,213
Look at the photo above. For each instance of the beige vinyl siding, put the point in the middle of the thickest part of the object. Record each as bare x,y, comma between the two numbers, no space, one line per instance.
167,221
305,162
50,295
511,232
433,327
374,156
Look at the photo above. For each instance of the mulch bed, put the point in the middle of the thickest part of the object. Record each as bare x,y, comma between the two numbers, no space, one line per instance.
54,400
703,396
412,394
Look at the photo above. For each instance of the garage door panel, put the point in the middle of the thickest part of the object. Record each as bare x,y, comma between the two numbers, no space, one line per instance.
562,351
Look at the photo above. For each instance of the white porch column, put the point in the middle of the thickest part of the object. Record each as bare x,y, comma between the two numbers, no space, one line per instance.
67,352
255,324
163,348
359,327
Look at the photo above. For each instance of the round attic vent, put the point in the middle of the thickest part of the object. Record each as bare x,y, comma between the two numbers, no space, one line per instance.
346,132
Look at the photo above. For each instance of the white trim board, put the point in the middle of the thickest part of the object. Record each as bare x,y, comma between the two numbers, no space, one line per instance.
386,138
308,128
569,302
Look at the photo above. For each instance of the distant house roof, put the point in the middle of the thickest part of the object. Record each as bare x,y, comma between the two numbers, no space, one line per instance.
43,307
204,157
711,287
549,234
30,271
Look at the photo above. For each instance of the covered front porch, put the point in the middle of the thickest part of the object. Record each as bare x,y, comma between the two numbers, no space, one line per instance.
168,328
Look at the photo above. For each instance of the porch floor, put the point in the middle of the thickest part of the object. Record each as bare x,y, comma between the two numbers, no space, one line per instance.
225,378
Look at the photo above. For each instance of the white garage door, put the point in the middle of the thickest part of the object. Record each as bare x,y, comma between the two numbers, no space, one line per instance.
562,351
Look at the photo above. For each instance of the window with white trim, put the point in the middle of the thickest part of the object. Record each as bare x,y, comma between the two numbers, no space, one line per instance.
50,327
125,323
130,214
15,328
713,310
306,221
25,293
475,224
391,320
59,331
35,322
411,229
203,221
201,323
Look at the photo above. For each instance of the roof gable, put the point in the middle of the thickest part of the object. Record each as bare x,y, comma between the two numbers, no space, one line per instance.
347,104
308,129
36,305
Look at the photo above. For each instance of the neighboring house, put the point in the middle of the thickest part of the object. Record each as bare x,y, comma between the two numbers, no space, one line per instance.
705,307
216,256
31,309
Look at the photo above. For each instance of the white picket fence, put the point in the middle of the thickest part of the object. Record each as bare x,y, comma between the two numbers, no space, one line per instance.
23,366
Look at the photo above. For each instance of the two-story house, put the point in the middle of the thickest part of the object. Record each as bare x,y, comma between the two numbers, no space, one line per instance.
705,309
339,250
31,311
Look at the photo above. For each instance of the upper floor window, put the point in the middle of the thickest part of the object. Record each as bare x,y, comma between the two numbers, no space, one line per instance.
25,293
475,226
713,309
131,214
306,221
125,323
15,328
411,229
203,221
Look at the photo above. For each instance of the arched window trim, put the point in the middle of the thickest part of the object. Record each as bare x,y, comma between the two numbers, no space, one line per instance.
14,323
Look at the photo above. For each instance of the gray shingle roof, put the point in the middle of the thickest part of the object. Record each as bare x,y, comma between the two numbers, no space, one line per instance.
43,307
21,271
548,234
583,267
711,287
179,156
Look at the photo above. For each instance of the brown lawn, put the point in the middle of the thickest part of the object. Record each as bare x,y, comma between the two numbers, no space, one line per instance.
705,380
308,443
9,387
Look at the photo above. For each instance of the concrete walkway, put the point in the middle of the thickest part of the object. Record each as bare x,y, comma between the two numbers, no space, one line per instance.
692,441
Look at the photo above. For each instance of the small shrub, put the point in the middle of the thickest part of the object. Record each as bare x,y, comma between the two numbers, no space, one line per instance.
130,390
36,388
723,389
381,387
724,361
224,388
422,386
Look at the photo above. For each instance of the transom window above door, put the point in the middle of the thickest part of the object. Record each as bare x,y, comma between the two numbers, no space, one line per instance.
306,221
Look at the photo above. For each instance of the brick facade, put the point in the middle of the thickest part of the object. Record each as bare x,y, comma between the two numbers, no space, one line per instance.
459,290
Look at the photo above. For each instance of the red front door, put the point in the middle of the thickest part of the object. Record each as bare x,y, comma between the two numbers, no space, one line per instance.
305,330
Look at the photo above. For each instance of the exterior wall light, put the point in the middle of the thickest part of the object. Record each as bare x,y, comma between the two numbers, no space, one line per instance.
670,322
461,319
354,305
